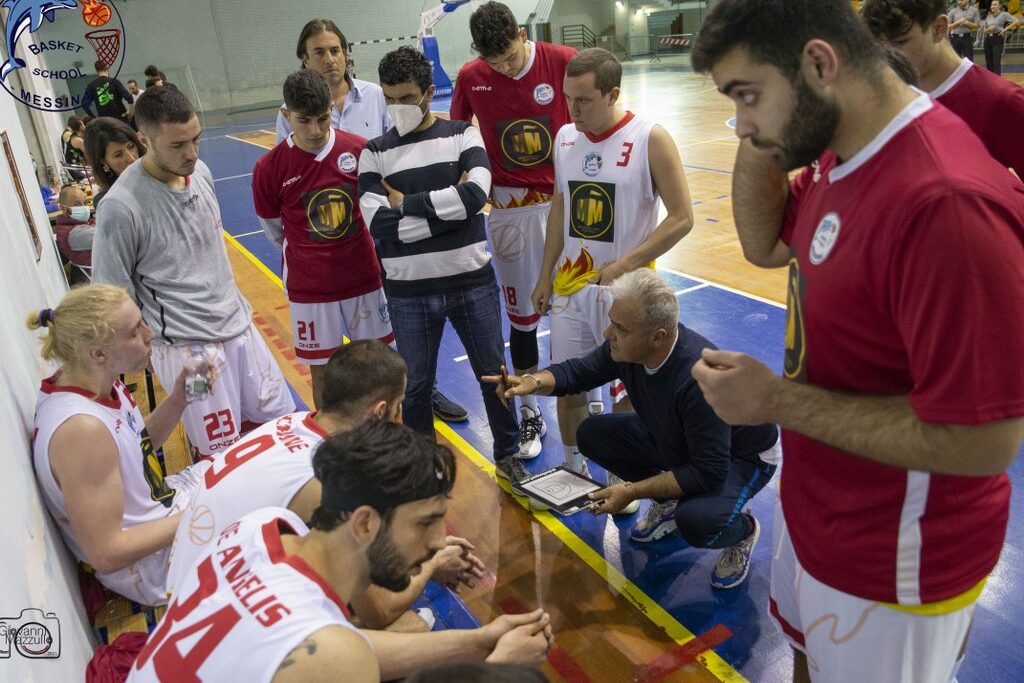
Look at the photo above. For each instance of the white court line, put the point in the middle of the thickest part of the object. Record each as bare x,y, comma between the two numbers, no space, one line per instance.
692,289
545,333
232,177
725,288
248,234
704,142
248,142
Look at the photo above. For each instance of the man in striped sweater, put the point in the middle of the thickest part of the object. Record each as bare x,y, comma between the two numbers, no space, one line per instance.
422,186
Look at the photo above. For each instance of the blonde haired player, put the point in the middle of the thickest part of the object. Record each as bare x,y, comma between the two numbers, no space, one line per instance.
612,170
95,455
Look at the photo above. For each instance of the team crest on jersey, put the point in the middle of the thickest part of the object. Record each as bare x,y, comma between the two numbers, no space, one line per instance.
796,342
824,238
347,162
592,164
592,211
329,212
130,418
543,94
525,142
382,311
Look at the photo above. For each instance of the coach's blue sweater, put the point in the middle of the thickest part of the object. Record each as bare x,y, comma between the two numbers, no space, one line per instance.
671,406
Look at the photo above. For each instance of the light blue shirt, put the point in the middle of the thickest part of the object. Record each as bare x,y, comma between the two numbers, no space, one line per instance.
364,113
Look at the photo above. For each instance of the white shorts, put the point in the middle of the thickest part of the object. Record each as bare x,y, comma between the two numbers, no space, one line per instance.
249,389
515,238
851,640
319,329
578,322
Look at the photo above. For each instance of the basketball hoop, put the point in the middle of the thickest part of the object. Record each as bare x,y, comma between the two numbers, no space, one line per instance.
107,43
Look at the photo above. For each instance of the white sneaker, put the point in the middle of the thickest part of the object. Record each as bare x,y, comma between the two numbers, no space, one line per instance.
428,617
632,507
531,429
659,521
577,462
595,407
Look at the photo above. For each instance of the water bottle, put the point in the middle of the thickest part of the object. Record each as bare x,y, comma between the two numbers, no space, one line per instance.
196,385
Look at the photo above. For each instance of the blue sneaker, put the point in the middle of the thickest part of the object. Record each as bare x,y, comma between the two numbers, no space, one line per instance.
658,522
734,562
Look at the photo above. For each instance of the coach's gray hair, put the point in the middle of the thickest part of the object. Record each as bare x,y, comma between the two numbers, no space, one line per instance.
658,305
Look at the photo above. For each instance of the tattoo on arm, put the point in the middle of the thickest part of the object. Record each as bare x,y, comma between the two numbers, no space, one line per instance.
309,645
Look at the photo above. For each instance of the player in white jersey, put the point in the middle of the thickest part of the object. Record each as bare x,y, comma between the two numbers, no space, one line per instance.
270,596
94,453
612,169
273,467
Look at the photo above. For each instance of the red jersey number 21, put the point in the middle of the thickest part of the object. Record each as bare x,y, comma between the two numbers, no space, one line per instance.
627,149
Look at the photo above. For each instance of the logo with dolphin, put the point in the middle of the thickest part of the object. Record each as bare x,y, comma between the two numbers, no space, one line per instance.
51,83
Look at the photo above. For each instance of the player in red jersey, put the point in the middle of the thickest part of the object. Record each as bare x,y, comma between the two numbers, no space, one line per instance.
984,100
901,402
515,91
305,195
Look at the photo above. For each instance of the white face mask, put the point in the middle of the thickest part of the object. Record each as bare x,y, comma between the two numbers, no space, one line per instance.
406,116
80,213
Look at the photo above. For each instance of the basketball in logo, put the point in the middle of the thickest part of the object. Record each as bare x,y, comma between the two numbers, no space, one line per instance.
201,526
95,13
508,243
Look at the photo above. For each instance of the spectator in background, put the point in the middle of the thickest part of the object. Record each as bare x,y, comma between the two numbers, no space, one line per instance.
108,95
110,147
73,147
133,88
74,227
996,25
156,76
964,20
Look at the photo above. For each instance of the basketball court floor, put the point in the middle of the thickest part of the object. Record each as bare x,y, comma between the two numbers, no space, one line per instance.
622,611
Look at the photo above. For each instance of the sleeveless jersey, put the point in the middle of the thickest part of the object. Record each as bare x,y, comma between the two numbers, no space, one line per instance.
266,468
609,201
147,496
242,609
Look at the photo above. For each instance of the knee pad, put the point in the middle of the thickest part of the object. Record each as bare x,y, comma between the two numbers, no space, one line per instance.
523,347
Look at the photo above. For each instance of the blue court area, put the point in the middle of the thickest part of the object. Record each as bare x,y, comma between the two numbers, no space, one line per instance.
672,574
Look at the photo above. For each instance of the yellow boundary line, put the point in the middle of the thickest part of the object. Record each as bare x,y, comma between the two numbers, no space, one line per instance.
712,661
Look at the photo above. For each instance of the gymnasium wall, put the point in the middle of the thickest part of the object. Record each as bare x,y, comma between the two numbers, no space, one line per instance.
37,571
233,55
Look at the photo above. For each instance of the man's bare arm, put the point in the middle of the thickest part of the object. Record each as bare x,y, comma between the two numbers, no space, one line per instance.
332,654
84,460
759,191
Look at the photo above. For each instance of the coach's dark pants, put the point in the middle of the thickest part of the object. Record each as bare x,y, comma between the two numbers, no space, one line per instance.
994,54
963,44
621,444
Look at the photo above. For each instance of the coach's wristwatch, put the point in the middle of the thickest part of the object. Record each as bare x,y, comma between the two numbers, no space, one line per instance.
536,380
401,208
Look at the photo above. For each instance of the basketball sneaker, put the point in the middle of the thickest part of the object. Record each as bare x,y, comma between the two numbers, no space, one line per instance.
531,429
511,468
632,507
658,522
734,562
577,462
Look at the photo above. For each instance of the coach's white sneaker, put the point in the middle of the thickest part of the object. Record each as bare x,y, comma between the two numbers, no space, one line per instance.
632,507
531,429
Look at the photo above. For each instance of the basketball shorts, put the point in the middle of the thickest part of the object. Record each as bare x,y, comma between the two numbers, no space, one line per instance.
849,639
515,238
319,329
578,322
249,389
